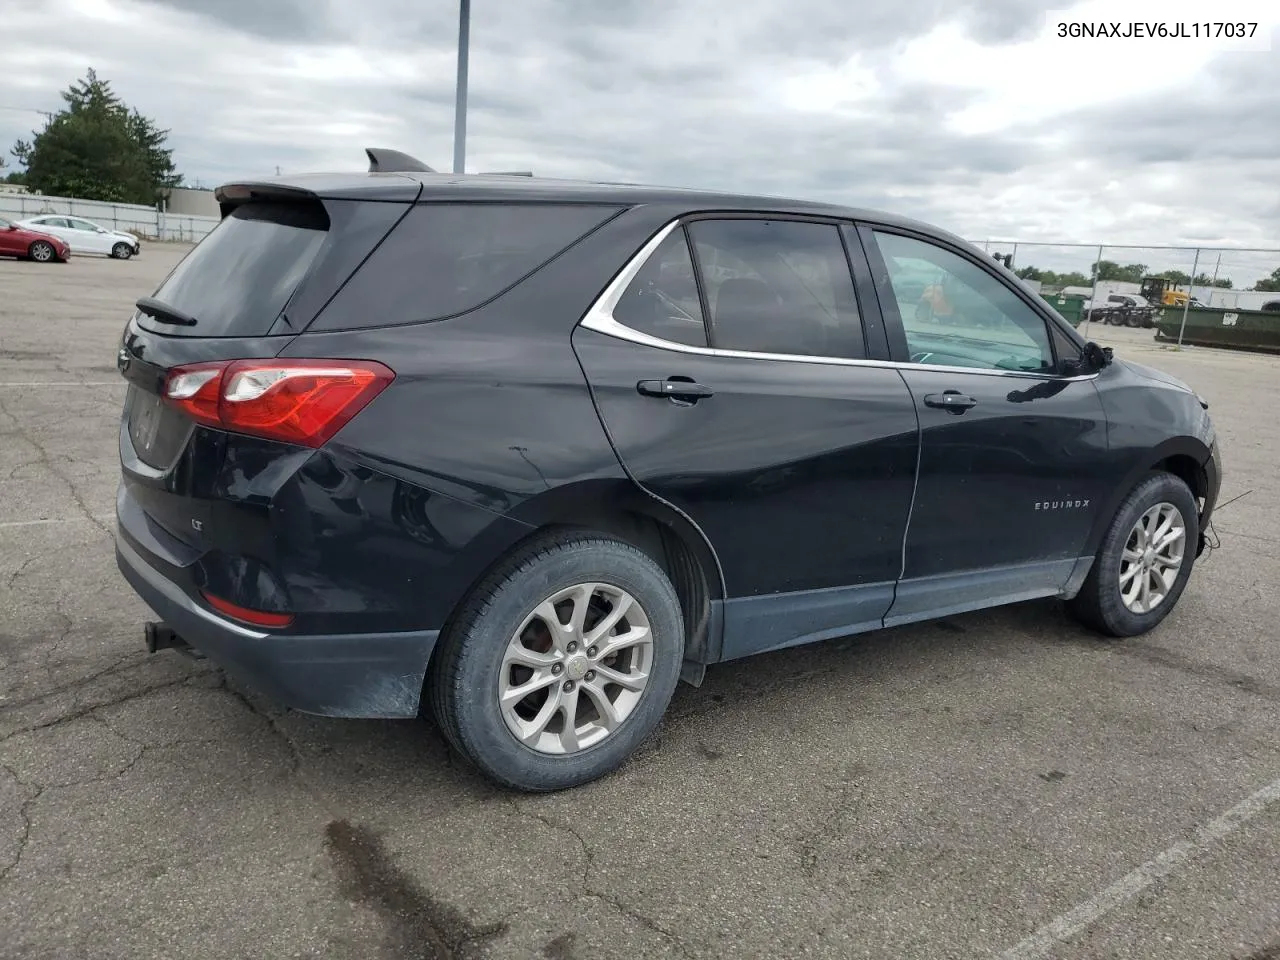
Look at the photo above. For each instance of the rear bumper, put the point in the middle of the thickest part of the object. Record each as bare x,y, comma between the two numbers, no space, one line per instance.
377,675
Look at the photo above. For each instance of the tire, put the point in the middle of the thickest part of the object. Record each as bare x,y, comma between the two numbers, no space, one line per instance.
41,251
471,663
122,251
1133,320
1100,603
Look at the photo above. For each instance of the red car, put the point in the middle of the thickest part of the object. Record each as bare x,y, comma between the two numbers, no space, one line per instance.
16,241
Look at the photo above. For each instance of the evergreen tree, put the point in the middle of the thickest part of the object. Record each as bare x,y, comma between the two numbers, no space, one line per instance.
98,148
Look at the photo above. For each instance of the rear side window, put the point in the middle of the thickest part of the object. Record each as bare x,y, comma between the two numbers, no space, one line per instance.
778,286
237,281
662,300
445,259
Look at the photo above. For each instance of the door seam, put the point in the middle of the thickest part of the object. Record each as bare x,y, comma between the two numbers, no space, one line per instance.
915,488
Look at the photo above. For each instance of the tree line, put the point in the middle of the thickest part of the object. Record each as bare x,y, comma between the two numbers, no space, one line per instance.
1133,273
97,147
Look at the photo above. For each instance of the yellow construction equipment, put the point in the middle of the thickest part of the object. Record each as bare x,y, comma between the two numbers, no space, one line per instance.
1162,291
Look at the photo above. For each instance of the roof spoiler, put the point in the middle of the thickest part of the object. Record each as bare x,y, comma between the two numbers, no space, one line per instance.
383,160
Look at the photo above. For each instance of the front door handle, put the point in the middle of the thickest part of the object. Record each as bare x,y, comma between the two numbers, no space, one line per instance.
674,387
952,400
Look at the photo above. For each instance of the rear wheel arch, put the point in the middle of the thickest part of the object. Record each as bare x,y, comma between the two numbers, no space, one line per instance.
623,510
618,509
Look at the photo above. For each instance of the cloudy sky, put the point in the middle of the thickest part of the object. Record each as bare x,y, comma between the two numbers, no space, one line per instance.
972,114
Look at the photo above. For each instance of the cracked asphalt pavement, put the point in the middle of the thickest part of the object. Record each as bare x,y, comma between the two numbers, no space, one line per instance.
998,784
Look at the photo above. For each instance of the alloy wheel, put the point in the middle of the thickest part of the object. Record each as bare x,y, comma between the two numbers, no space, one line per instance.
1152,557
576,669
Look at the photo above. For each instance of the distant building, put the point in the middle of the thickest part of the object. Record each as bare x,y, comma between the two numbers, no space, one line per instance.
1234,299
187,201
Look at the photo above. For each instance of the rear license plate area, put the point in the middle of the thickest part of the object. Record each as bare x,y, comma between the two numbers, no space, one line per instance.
156,430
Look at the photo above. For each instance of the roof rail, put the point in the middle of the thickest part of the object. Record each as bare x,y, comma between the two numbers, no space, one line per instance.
506,173
384,160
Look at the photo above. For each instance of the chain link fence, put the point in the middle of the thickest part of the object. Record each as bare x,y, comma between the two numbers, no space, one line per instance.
1165,287
146,222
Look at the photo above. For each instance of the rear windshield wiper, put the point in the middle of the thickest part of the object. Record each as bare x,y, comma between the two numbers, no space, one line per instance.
164,313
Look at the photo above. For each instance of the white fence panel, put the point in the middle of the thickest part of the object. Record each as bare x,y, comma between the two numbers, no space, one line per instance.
144,221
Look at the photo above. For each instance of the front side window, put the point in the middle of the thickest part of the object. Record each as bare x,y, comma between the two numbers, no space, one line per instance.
662,300
1068,350
778,286
956,314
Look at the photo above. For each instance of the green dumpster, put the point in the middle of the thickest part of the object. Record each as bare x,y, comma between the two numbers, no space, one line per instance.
1217,327
1071,307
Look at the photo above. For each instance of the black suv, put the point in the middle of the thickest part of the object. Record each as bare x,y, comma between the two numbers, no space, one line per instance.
536,450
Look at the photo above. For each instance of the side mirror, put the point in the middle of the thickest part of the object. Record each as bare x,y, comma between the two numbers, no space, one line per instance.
1096,357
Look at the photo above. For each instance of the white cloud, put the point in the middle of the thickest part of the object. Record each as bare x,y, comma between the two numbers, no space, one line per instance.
974,115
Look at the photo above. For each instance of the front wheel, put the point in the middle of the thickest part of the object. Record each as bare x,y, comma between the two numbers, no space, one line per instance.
561,663
122,251
1144,561
42,252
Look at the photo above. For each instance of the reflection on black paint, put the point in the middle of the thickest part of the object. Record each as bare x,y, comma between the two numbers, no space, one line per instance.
1042,390
800,474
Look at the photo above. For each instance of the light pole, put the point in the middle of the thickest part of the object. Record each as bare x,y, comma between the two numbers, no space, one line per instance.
460,108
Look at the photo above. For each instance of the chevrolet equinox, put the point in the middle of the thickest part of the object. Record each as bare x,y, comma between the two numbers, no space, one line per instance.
529,452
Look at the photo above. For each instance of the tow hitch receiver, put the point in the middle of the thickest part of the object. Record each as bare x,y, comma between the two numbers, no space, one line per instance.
161,636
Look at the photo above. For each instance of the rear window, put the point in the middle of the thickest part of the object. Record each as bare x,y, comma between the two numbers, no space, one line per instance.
445,259
237,281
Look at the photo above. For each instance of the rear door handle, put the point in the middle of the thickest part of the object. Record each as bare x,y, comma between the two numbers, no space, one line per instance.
952,400
676,389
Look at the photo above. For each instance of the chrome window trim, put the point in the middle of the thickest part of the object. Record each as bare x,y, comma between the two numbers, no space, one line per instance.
599,317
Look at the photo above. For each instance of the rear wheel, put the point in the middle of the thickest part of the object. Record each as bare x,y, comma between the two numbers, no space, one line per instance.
1144,561
42,252
122,251
561,663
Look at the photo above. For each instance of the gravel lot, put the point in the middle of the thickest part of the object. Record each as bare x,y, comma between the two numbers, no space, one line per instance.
997,785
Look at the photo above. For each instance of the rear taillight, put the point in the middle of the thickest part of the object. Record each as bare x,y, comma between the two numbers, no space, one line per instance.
295,401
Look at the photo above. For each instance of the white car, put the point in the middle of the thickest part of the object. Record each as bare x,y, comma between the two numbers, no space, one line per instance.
85,236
